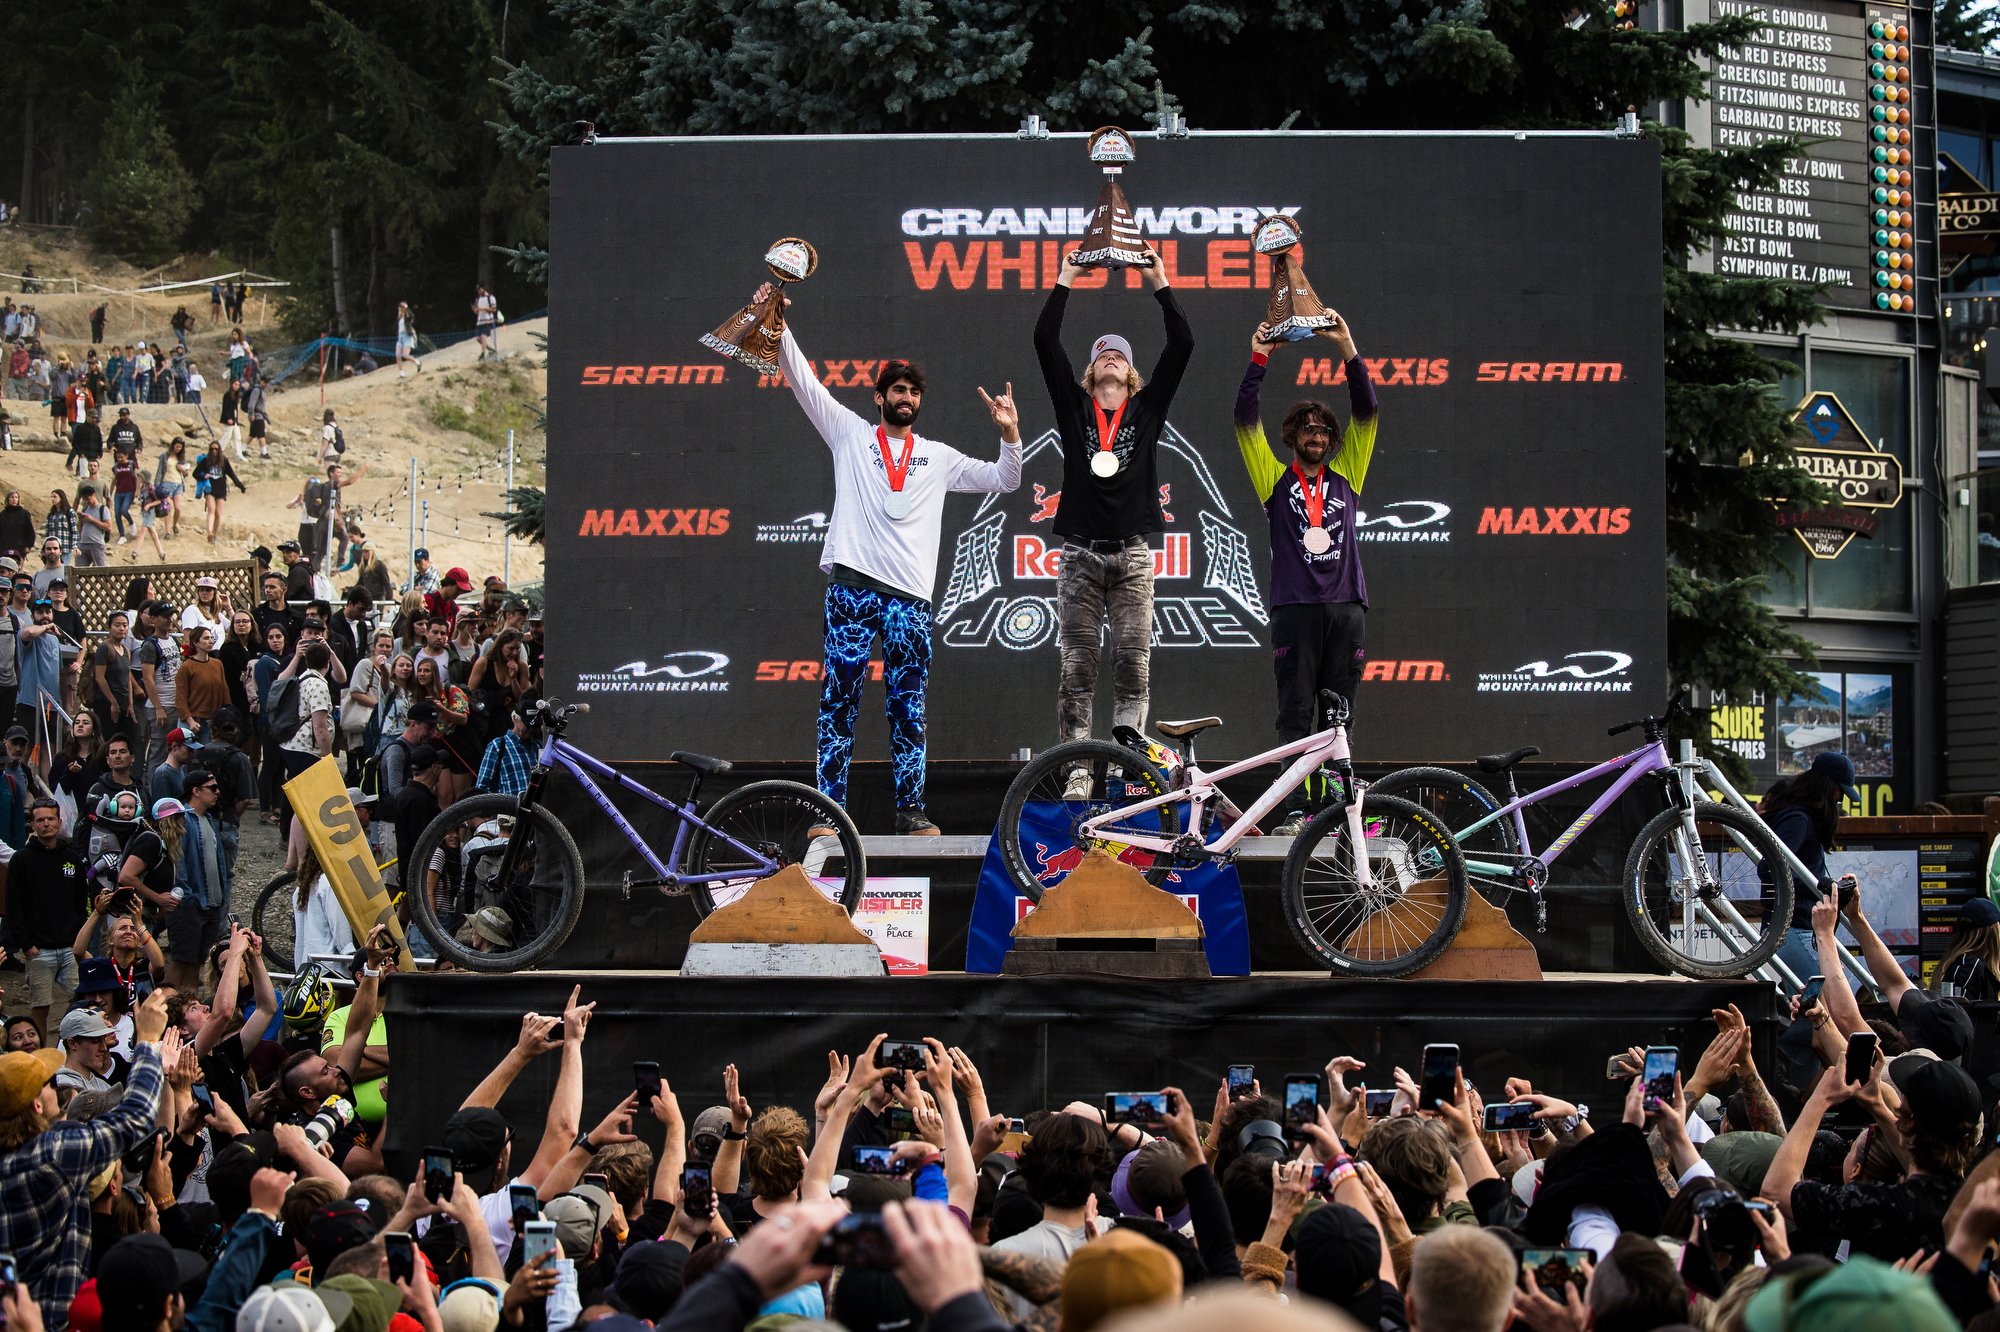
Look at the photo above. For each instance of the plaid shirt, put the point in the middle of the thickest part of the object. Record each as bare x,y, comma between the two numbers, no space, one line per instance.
505,767
45,1187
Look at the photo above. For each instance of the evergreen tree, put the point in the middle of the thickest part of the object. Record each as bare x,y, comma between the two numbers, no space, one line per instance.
138,198
1968,25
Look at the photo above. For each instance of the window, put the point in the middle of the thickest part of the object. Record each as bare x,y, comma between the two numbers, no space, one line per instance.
1871,574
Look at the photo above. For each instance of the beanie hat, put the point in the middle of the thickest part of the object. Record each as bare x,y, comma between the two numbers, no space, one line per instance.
1120,1271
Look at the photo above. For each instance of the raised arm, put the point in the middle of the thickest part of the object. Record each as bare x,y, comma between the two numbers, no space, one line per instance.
1173,362
266,995
1882,968
224,1008
1057,374
565,1115
826,413
728,1164
1836,995
980,477
961,1172
1357,445
1263,465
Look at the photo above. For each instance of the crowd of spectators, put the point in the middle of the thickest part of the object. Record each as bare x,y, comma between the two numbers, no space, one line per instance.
181,1163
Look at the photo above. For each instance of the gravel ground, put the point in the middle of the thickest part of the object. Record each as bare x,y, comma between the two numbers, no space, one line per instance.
260,857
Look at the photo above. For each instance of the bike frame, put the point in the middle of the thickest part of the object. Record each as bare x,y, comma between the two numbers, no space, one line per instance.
1640,762
560,753
1329,746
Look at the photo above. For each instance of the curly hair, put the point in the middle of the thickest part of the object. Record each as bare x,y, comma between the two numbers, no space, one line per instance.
1299,413
1413,1156
1066,1161
771,1156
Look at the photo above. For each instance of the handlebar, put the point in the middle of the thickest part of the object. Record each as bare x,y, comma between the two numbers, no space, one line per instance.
1676,708
579,708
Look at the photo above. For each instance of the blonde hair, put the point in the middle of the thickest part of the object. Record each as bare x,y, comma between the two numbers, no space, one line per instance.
1134,381
1982,941
1461,1280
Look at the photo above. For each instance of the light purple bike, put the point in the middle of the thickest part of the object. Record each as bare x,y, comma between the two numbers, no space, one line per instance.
1706,886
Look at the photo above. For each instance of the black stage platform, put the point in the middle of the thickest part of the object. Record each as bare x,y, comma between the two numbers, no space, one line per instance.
1039,1042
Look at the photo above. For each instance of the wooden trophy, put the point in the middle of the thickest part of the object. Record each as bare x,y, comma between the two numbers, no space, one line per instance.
1112,239
1295,311
752,334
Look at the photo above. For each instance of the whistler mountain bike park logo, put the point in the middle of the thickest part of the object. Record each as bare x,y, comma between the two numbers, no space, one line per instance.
808,529
1595,672
692,672
1424,521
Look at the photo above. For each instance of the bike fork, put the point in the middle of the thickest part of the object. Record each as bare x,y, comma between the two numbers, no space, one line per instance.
1356,836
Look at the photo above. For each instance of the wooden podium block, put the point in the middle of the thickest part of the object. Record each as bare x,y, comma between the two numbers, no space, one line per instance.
1105,918
1488,947
783,926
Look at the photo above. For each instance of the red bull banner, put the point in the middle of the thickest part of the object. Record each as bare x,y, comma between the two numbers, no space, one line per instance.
1212,892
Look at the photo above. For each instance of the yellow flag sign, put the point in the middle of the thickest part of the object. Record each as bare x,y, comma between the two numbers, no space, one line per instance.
319,801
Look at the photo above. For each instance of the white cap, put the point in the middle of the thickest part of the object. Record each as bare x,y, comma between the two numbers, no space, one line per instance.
287,1308
1110,342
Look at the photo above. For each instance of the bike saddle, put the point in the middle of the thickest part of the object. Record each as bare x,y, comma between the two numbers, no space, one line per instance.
1502,762
1178,730
703,763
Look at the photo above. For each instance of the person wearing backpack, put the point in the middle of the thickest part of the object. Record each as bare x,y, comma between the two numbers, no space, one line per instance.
332,443
384,774
302,716
314,502
231,767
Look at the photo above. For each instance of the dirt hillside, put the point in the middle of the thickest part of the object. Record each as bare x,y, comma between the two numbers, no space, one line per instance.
452,419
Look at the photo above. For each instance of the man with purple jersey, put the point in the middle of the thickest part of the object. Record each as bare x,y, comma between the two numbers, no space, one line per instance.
1319,600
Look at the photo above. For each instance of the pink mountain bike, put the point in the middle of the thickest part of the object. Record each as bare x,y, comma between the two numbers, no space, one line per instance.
1374,886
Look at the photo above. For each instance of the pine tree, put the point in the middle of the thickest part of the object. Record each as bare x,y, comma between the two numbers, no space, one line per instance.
138,199
1968,25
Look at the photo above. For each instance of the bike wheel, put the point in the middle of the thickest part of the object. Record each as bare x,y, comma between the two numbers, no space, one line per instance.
1036,813
543,897
1458,803
1682,887
272,919
773,819
1403,917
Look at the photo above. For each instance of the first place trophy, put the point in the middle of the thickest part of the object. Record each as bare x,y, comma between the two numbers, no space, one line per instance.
752,334
1112,240
1295,311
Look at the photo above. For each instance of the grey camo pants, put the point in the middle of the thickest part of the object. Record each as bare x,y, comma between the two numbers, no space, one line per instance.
1090,589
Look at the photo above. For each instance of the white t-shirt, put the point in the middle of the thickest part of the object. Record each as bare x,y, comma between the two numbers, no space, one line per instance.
322,928
485,308
195,382
1044,1239
193,616
499,1214
314,696
902,553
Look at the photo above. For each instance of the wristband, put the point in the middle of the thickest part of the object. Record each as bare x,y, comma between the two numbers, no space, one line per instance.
1258,358
583,1141
367,970
1338,1170
733,1135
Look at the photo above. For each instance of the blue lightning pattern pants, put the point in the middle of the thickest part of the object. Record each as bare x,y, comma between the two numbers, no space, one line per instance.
854,615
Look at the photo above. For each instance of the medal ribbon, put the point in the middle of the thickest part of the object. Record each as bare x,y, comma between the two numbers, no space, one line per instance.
1108,431
1315,498
896,470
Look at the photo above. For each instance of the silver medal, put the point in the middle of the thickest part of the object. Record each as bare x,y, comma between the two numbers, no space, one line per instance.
897,505
1317,541
1104,464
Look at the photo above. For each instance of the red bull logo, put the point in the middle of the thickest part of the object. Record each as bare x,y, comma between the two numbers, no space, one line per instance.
1055,868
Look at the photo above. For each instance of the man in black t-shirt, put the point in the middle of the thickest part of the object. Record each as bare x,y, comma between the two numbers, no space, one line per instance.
415,805
1110,428
273,610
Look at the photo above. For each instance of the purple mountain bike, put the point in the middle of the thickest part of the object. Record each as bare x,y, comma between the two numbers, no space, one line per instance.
499,882
1706,886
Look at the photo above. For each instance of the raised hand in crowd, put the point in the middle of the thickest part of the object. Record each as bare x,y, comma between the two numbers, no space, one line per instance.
967,1073
837,1068
1542,1314
937,1261
1339,1099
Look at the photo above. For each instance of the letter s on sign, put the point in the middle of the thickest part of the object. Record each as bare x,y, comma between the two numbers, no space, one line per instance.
336,814
597,374
923,222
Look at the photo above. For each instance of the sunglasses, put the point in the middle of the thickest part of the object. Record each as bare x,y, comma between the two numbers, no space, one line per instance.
209,786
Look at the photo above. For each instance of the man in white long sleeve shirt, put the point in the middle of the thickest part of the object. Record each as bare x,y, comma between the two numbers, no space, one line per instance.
881,556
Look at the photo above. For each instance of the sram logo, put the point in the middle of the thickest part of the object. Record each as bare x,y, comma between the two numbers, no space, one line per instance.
1036,558
597,376
1550,372
1404,670
1531,521
658,522
809,671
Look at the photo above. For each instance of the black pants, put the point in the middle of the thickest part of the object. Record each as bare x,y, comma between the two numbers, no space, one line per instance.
1314,646
294,764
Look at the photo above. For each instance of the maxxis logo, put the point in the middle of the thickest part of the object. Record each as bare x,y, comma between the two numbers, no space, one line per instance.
1593,672
692,672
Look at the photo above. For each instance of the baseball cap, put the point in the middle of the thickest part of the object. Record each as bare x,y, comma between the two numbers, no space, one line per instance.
493,579
293,1308
177,736
1839,767
577,1221
124,411
1741,1158
18,733
94,975
86,1313
1941,1025
423,758
205,581
648,1280
22,1077
871,1300
288,545
423,553
1110,342
166,807
494,925
1338,1254
372,1304
468,1306
1861,1295
82,1023
458,575
1942,1097
422,712
357,796
1122,1270
137,1275
1977,912
334,1229
475,1137
706,1138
